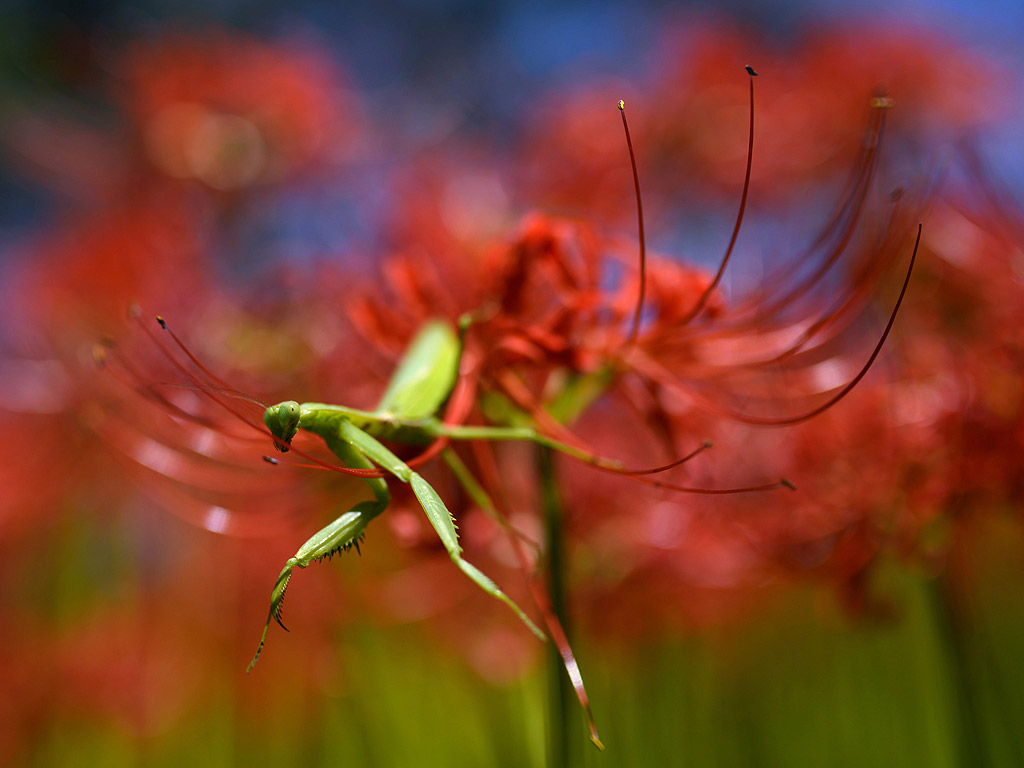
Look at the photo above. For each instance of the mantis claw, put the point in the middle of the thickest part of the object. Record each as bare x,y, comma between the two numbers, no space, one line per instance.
263,639
276,603
276,613
340,536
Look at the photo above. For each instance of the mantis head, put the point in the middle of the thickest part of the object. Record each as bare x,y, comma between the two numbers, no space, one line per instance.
283,422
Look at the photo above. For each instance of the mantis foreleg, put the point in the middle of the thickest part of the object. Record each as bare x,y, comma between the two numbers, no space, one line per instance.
342,534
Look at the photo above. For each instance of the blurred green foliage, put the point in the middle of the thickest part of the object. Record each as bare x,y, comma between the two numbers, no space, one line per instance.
938,683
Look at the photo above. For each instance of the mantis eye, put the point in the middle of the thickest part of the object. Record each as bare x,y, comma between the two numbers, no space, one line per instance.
283,422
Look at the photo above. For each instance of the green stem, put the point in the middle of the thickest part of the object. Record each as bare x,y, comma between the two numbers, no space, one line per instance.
950,614
560,704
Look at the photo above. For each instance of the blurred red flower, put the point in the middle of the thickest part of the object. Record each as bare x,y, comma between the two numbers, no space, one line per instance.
232,111
691,126
101,444
552,301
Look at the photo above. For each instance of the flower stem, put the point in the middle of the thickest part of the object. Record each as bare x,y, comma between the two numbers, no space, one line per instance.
560,696
950,614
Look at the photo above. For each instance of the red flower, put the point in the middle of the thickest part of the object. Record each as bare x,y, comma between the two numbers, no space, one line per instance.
232,112
690,122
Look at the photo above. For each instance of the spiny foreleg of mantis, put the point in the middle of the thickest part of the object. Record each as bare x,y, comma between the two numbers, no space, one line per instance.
358,449
342,534
438,514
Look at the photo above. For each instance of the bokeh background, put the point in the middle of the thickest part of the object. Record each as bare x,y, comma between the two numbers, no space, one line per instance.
296,186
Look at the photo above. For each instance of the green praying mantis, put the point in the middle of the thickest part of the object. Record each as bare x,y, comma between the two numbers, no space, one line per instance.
425,380
421,384
406,413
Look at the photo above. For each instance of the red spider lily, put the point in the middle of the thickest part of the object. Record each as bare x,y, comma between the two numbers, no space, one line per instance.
547,308
937,448
71,292
84,431
232,111
809,109
142,240
963,381
691,124
83,275
548,316
90,438
905,467
549,313
74,293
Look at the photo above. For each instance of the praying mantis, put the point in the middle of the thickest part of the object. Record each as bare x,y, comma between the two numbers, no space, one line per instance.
406,412
425,403
423,381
